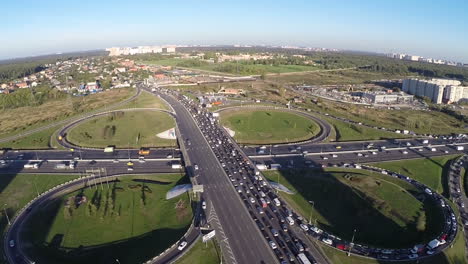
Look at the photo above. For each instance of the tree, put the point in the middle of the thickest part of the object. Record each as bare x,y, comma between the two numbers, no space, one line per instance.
421,222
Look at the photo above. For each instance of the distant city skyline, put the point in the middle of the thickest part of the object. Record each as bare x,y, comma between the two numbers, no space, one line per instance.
435,30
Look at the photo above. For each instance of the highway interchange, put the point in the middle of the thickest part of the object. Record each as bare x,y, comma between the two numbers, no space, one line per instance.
245,230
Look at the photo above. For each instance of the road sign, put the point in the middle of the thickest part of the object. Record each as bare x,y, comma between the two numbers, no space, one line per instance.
197,188
209,236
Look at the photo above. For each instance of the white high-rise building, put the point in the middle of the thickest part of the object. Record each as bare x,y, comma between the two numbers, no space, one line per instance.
438,90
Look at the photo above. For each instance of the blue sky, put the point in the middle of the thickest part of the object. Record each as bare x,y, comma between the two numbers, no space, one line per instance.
436,29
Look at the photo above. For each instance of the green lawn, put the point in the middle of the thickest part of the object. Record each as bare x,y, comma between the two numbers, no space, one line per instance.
349,132
128,219
145,100
202,253
123,129
430,171
383,209
268,127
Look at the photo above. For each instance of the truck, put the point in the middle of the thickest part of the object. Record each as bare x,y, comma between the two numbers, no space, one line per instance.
303,259
65,165
31,166
109,149
144,151
277,202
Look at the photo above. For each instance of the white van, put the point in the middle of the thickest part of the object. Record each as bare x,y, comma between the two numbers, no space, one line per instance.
290,220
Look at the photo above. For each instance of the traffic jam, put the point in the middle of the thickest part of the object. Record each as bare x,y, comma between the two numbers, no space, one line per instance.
281,227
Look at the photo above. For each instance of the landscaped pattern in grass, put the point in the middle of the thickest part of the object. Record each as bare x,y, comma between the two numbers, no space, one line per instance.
384,210
123,129
268,126
127,219
429,171
202,253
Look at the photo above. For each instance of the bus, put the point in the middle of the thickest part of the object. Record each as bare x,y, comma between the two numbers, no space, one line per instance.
303,259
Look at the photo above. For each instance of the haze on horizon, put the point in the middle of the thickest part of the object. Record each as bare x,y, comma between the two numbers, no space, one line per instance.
415,27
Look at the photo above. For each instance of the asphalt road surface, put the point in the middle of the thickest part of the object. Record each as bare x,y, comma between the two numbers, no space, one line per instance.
245,242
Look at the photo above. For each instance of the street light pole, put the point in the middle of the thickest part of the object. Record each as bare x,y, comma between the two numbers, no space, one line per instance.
310,215
352,243
6,214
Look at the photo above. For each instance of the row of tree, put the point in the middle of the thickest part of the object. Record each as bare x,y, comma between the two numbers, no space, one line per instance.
9,72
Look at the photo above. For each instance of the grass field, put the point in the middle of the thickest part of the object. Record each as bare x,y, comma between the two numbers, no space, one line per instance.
18,120
430,171
422,122
268,127
145,100
234,68
123,129
39,140
383,210
331,77
349,132
202,253
129,219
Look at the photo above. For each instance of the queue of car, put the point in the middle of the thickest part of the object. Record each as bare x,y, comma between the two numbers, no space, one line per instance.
264,206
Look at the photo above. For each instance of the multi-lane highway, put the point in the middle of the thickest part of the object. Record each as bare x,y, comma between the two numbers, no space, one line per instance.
241,241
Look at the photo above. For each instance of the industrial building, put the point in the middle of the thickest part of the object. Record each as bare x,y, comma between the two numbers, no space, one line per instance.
388,98
438,90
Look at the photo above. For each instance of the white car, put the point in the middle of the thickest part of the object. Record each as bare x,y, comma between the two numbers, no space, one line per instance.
182,245
195,166
203,205
327,241
304,227
273,245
